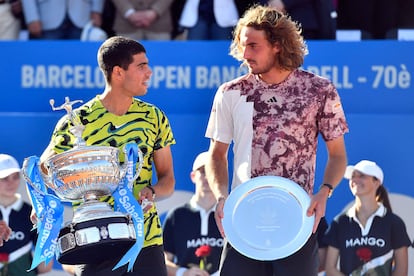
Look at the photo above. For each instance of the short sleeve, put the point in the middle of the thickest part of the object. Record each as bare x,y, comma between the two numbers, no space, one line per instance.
332,121
165,136
168,228
330,238
399,234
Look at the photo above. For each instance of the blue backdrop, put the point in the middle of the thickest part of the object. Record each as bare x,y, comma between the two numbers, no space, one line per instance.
374,80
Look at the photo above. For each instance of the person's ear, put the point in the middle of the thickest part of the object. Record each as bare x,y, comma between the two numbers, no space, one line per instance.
192,176
117,72
376,180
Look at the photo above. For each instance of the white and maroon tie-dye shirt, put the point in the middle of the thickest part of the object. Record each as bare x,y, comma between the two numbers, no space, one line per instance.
275,127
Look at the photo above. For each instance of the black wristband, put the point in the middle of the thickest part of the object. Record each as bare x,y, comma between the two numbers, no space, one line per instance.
152,190
221,198
329,186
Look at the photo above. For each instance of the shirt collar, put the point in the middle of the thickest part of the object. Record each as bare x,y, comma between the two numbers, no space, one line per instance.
380,212
17,205
194,205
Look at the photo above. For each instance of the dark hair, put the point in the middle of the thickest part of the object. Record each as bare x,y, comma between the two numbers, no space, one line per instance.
117,51
382,196
280,30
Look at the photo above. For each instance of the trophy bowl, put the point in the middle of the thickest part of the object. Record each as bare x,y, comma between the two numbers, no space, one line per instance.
83,172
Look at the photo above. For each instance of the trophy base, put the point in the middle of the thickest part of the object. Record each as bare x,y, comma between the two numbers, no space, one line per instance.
95,240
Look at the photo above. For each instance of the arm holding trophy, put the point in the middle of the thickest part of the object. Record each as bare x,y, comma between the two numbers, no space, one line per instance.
334,170
217,175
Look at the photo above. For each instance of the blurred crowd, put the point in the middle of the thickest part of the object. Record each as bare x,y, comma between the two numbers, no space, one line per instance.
194,19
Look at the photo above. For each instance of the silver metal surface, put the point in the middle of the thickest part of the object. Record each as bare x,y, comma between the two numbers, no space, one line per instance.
91,235
265,218
87,171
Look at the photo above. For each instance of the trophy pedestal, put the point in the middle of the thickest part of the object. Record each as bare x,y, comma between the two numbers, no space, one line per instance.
96,234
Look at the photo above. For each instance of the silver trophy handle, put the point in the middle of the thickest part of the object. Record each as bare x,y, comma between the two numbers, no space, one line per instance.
27,178
38,191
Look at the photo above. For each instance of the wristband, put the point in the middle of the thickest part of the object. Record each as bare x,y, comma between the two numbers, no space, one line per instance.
329,186
152,190
221,198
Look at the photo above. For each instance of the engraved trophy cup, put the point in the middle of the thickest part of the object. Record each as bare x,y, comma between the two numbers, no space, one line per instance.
84,174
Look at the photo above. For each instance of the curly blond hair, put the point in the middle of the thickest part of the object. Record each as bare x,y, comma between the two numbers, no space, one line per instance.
279,29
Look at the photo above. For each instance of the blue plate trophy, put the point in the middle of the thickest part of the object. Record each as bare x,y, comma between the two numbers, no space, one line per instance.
83,175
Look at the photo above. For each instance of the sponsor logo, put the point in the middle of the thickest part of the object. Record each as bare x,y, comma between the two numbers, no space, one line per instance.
365,241
213,242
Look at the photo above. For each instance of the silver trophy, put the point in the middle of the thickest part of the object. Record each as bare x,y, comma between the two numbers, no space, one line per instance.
277,224
84,174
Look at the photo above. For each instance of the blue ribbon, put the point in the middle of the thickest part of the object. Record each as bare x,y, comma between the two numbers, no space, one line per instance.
49,211
35,184
125,202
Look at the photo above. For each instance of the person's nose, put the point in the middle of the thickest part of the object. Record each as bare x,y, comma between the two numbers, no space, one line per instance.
149,73
246,54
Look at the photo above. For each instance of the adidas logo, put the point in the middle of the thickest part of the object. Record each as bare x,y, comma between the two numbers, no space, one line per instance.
272,100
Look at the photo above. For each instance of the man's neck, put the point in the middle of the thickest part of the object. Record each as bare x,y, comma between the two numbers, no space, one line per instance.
117,104
275,76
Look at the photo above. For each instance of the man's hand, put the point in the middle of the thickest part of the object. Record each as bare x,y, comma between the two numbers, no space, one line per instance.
35,28
219,215
317,207
147,197
33,217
